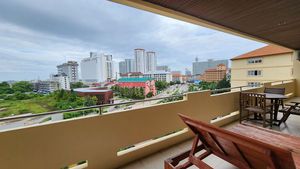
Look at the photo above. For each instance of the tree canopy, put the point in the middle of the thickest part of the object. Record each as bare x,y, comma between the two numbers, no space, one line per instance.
22,86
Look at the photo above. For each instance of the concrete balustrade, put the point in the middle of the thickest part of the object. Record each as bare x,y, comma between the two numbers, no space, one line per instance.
97,139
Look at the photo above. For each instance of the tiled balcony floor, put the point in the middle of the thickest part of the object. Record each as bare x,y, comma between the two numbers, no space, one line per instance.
156,161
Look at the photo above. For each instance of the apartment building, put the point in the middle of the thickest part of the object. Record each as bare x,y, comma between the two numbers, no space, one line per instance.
109,67
151,61
199,67
269,63
70,69
45,86
127,66
130,65
122,67
159,76
139,57
97,68
62,80
214,74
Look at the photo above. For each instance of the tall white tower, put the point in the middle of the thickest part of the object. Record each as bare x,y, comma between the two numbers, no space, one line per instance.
139,57
151,62
109,66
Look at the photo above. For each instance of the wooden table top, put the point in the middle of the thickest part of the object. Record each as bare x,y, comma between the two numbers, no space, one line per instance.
274,96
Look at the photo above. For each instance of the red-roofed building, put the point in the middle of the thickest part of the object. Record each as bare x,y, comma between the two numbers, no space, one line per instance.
214,74
269,63
148,84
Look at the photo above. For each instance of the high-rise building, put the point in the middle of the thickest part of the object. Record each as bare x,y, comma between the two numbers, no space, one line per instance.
109,66
164,68
122,67
200,67
130,65
70,69
139,57
151,62
94,68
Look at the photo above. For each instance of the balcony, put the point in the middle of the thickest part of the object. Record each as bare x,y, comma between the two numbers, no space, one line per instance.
115,139
144,137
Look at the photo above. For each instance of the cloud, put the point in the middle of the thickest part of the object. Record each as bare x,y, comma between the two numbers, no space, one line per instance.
35,36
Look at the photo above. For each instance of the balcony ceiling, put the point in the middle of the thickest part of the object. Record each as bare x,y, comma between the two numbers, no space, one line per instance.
272,21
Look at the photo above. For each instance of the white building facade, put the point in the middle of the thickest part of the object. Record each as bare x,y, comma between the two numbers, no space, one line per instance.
130,65
94,68
70,69
151,62
122,67
109,67
63,81
159,76
139,57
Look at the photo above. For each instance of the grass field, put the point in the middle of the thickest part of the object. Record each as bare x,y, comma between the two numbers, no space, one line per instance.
35,105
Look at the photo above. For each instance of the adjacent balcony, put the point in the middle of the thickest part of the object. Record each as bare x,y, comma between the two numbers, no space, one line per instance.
125,139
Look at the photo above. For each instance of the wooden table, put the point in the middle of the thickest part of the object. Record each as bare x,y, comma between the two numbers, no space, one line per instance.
275,100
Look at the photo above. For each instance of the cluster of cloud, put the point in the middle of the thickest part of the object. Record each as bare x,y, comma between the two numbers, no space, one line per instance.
35,36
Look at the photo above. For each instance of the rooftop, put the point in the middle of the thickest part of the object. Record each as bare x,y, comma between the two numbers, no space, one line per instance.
264,51
134,79
91,90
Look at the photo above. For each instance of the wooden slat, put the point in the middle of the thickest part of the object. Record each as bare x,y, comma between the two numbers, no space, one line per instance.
272,20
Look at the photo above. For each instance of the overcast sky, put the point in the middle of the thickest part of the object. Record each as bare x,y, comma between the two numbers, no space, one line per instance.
36,35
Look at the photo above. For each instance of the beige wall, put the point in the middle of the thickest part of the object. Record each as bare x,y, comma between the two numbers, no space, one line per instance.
274,68
97,139
297,73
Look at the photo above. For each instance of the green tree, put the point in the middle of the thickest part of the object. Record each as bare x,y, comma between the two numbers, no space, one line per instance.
22,86
5,88
77,85
224,83
150,94
161,85
207,85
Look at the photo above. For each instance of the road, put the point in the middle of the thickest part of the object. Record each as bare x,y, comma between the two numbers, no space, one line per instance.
171,90
29,121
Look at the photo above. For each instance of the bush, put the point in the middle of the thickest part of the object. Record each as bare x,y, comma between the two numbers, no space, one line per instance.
22,86
150,94
161,85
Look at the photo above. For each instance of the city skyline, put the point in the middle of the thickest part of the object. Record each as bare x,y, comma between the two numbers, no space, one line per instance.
37,36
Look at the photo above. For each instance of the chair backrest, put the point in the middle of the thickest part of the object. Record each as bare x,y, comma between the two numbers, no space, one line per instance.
244,152
275,90
249,99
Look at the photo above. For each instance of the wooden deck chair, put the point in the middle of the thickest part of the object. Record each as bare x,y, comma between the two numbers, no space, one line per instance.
243,152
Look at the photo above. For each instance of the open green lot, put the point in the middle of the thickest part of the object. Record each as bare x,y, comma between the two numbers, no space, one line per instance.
34,105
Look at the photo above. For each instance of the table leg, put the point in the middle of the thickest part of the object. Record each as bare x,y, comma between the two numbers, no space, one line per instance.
276,107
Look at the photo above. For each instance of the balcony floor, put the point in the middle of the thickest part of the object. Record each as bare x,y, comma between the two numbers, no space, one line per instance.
156,161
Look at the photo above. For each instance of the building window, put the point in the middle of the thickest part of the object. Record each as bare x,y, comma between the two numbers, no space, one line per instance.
254,60
254,72
254,84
